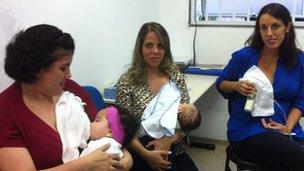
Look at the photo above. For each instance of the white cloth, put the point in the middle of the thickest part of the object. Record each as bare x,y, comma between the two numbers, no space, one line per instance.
160,116
115,147
73,125
264,99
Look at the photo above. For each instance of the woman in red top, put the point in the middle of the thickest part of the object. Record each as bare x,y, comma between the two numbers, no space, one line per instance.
39,60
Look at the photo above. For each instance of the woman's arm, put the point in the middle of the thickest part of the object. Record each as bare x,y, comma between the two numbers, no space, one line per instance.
16,159
181,83
124,94
293,119
165,142
228,86
243,87
126,162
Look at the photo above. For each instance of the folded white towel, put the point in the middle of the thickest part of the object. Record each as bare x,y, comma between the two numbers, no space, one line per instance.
264,103
73,125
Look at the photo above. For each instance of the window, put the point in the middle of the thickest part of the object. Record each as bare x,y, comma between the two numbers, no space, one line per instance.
238,12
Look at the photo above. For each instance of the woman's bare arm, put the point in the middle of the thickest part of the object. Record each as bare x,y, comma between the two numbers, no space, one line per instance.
18,158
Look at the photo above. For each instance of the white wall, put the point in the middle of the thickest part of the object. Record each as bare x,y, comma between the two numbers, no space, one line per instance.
104,32
174,17
7,28
214,46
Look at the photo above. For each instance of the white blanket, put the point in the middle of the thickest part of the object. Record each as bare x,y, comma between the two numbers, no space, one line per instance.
160,116
73,125
115,147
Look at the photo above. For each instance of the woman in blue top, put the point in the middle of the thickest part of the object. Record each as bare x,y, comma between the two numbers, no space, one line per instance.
272,48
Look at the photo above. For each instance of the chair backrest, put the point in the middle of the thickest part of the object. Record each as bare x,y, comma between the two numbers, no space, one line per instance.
96,97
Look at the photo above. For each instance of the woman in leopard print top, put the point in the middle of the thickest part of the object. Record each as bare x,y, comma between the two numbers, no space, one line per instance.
152,67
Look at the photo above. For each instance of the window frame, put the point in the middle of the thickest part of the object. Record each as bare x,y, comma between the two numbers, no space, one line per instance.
202,23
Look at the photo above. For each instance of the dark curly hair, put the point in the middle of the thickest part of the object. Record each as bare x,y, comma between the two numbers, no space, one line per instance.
33,49
129,123
288,50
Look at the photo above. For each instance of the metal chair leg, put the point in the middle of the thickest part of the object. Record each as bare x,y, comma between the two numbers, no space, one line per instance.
227,167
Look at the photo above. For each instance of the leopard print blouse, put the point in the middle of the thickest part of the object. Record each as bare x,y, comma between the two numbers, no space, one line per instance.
135,98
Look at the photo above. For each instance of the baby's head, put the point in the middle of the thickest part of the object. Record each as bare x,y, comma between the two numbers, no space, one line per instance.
189,118
114,122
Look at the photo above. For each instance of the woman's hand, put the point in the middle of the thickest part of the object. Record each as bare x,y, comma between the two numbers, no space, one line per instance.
163,143
275,126
100,160
156,159
245,87
126,161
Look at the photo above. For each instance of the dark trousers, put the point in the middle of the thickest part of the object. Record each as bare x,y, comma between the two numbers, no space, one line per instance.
181,162
271,148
